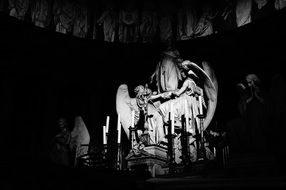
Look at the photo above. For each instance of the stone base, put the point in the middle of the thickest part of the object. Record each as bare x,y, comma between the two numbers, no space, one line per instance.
153,157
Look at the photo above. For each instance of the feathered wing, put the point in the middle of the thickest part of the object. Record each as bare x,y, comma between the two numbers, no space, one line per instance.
124,107
211,90
79,137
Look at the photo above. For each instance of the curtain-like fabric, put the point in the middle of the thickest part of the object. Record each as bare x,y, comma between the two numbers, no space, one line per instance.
129,25
186,21
280,4
165,21
261,3
204,26
18,8
149,23
41,13
243,12
81,21
109,20
64,15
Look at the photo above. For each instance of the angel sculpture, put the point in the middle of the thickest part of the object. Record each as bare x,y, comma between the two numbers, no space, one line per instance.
70,144
141,102
184,69
187,101
156,105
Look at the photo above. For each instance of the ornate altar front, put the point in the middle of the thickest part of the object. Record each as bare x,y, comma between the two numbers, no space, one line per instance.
152,158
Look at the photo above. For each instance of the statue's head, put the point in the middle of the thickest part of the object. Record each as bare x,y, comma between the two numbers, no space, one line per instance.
252,80
63,124
139,90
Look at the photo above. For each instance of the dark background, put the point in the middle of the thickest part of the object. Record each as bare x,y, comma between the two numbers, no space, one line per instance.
45,75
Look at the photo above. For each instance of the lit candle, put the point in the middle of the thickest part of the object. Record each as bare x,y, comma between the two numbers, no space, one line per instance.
214,152
132,118
201,105
104,135
156,132
107,124
118,129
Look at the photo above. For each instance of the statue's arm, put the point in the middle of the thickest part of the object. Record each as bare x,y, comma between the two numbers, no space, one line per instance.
182,89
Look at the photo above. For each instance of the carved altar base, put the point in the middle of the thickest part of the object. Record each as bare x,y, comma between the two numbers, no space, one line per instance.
152,157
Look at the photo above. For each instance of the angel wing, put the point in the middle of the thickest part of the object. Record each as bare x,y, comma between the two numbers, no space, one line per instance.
79,137
211,90
124,107
210,87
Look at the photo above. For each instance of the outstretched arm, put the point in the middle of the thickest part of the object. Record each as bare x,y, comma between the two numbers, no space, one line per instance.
184,87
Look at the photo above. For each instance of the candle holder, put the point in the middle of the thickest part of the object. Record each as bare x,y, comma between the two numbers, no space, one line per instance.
119,157
132,131
185,145
171,151
105,149
201,147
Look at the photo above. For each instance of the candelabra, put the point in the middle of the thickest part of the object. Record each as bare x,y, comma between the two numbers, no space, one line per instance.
171,152
185,144
201,147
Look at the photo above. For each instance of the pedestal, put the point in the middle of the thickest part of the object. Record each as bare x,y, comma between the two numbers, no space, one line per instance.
153,158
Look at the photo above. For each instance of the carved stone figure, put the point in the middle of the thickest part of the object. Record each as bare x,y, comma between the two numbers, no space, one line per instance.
109,21
69,144
183,88
18,8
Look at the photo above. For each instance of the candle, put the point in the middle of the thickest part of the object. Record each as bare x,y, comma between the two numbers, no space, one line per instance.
118,129
104,135
201,105
156,132
187,115
107,124
132,118
172,119
214,152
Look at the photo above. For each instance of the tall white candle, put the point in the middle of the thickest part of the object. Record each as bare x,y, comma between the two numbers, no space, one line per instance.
107,124
104,135
200,105
132,118
118,129
172,119
214,152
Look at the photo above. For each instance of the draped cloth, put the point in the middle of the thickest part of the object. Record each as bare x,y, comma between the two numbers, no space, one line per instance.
243,12
128,26
81,21
280,4
109,20
64,15
204,26
179,109
165,21
148,26
186,104
167,74
41,13
18,8
261,3
186,22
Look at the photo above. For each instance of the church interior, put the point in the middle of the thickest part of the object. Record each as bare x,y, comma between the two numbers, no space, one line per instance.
61,64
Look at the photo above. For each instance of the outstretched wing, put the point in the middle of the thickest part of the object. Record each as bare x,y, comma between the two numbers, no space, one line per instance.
211,90
79,137
124,107
210,87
